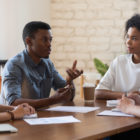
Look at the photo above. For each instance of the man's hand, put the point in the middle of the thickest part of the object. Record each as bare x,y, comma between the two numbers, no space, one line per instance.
73,73
64,94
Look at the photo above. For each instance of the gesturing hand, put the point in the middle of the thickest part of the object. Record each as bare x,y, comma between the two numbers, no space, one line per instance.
73,73
63,95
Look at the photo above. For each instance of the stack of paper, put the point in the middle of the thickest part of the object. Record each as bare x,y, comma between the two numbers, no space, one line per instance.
112,103
30,116
115,110
7,128
52,120
80,109
114,113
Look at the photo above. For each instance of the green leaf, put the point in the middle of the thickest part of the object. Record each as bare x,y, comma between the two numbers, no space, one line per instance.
100,66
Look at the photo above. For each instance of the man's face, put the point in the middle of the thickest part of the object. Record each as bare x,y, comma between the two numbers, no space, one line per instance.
133,40
41,43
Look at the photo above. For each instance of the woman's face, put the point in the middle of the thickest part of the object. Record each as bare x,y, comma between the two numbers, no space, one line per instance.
133,40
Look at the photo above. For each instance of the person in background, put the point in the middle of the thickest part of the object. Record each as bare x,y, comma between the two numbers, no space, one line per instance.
29,76
123,75
15,112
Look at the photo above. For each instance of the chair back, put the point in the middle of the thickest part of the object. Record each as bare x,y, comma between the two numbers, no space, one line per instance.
2,63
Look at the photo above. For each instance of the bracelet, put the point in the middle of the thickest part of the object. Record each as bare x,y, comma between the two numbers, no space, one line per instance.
11,114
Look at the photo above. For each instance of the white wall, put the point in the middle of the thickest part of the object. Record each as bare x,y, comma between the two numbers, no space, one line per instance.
85,29
14,14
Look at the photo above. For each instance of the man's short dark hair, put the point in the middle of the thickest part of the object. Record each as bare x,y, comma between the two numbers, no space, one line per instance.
134,21
32,27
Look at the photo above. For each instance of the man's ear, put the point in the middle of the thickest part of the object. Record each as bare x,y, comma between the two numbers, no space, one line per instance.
28,41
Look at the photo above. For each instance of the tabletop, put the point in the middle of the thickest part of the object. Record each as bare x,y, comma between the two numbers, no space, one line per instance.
91,126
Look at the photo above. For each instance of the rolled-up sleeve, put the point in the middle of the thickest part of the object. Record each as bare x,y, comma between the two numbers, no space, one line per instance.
12,77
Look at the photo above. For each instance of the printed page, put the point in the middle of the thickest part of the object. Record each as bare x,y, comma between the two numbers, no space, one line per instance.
30,116
112,103
113,113
7,128
52,120
80,109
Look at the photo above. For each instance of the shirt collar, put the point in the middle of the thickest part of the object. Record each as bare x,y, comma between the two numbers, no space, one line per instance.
30,61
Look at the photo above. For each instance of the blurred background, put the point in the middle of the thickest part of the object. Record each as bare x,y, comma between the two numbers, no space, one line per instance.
82,29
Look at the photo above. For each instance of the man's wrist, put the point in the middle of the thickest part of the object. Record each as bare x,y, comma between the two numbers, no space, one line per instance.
73,91
68,80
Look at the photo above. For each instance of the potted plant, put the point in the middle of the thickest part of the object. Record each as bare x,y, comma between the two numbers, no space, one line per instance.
100,66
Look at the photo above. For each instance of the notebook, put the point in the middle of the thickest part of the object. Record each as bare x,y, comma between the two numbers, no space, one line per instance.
7,128
112,103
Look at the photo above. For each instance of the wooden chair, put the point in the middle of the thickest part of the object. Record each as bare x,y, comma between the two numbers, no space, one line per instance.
2,63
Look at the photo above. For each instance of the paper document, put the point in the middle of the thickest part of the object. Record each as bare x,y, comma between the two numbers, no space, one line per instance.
113,113
30,116
112,103
52,120
115,110
7,128
80,109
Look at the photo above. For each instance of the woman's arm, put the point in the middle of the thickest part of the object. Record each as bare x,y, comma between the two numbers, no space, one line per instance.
17,113
107,94
134,110
5,108
5,116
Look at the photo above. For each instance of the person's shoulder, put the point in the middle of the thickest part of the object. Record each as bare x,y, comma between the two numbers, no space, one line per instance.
122,59
18,59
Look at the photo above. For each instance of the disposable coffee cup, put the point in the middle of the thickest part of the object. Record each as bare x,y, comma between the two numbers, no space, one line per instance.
88,89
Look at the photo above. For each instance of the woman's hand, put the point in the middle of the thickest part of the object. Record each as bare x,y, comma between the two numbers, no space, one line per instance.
135,96
23,109
126,104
